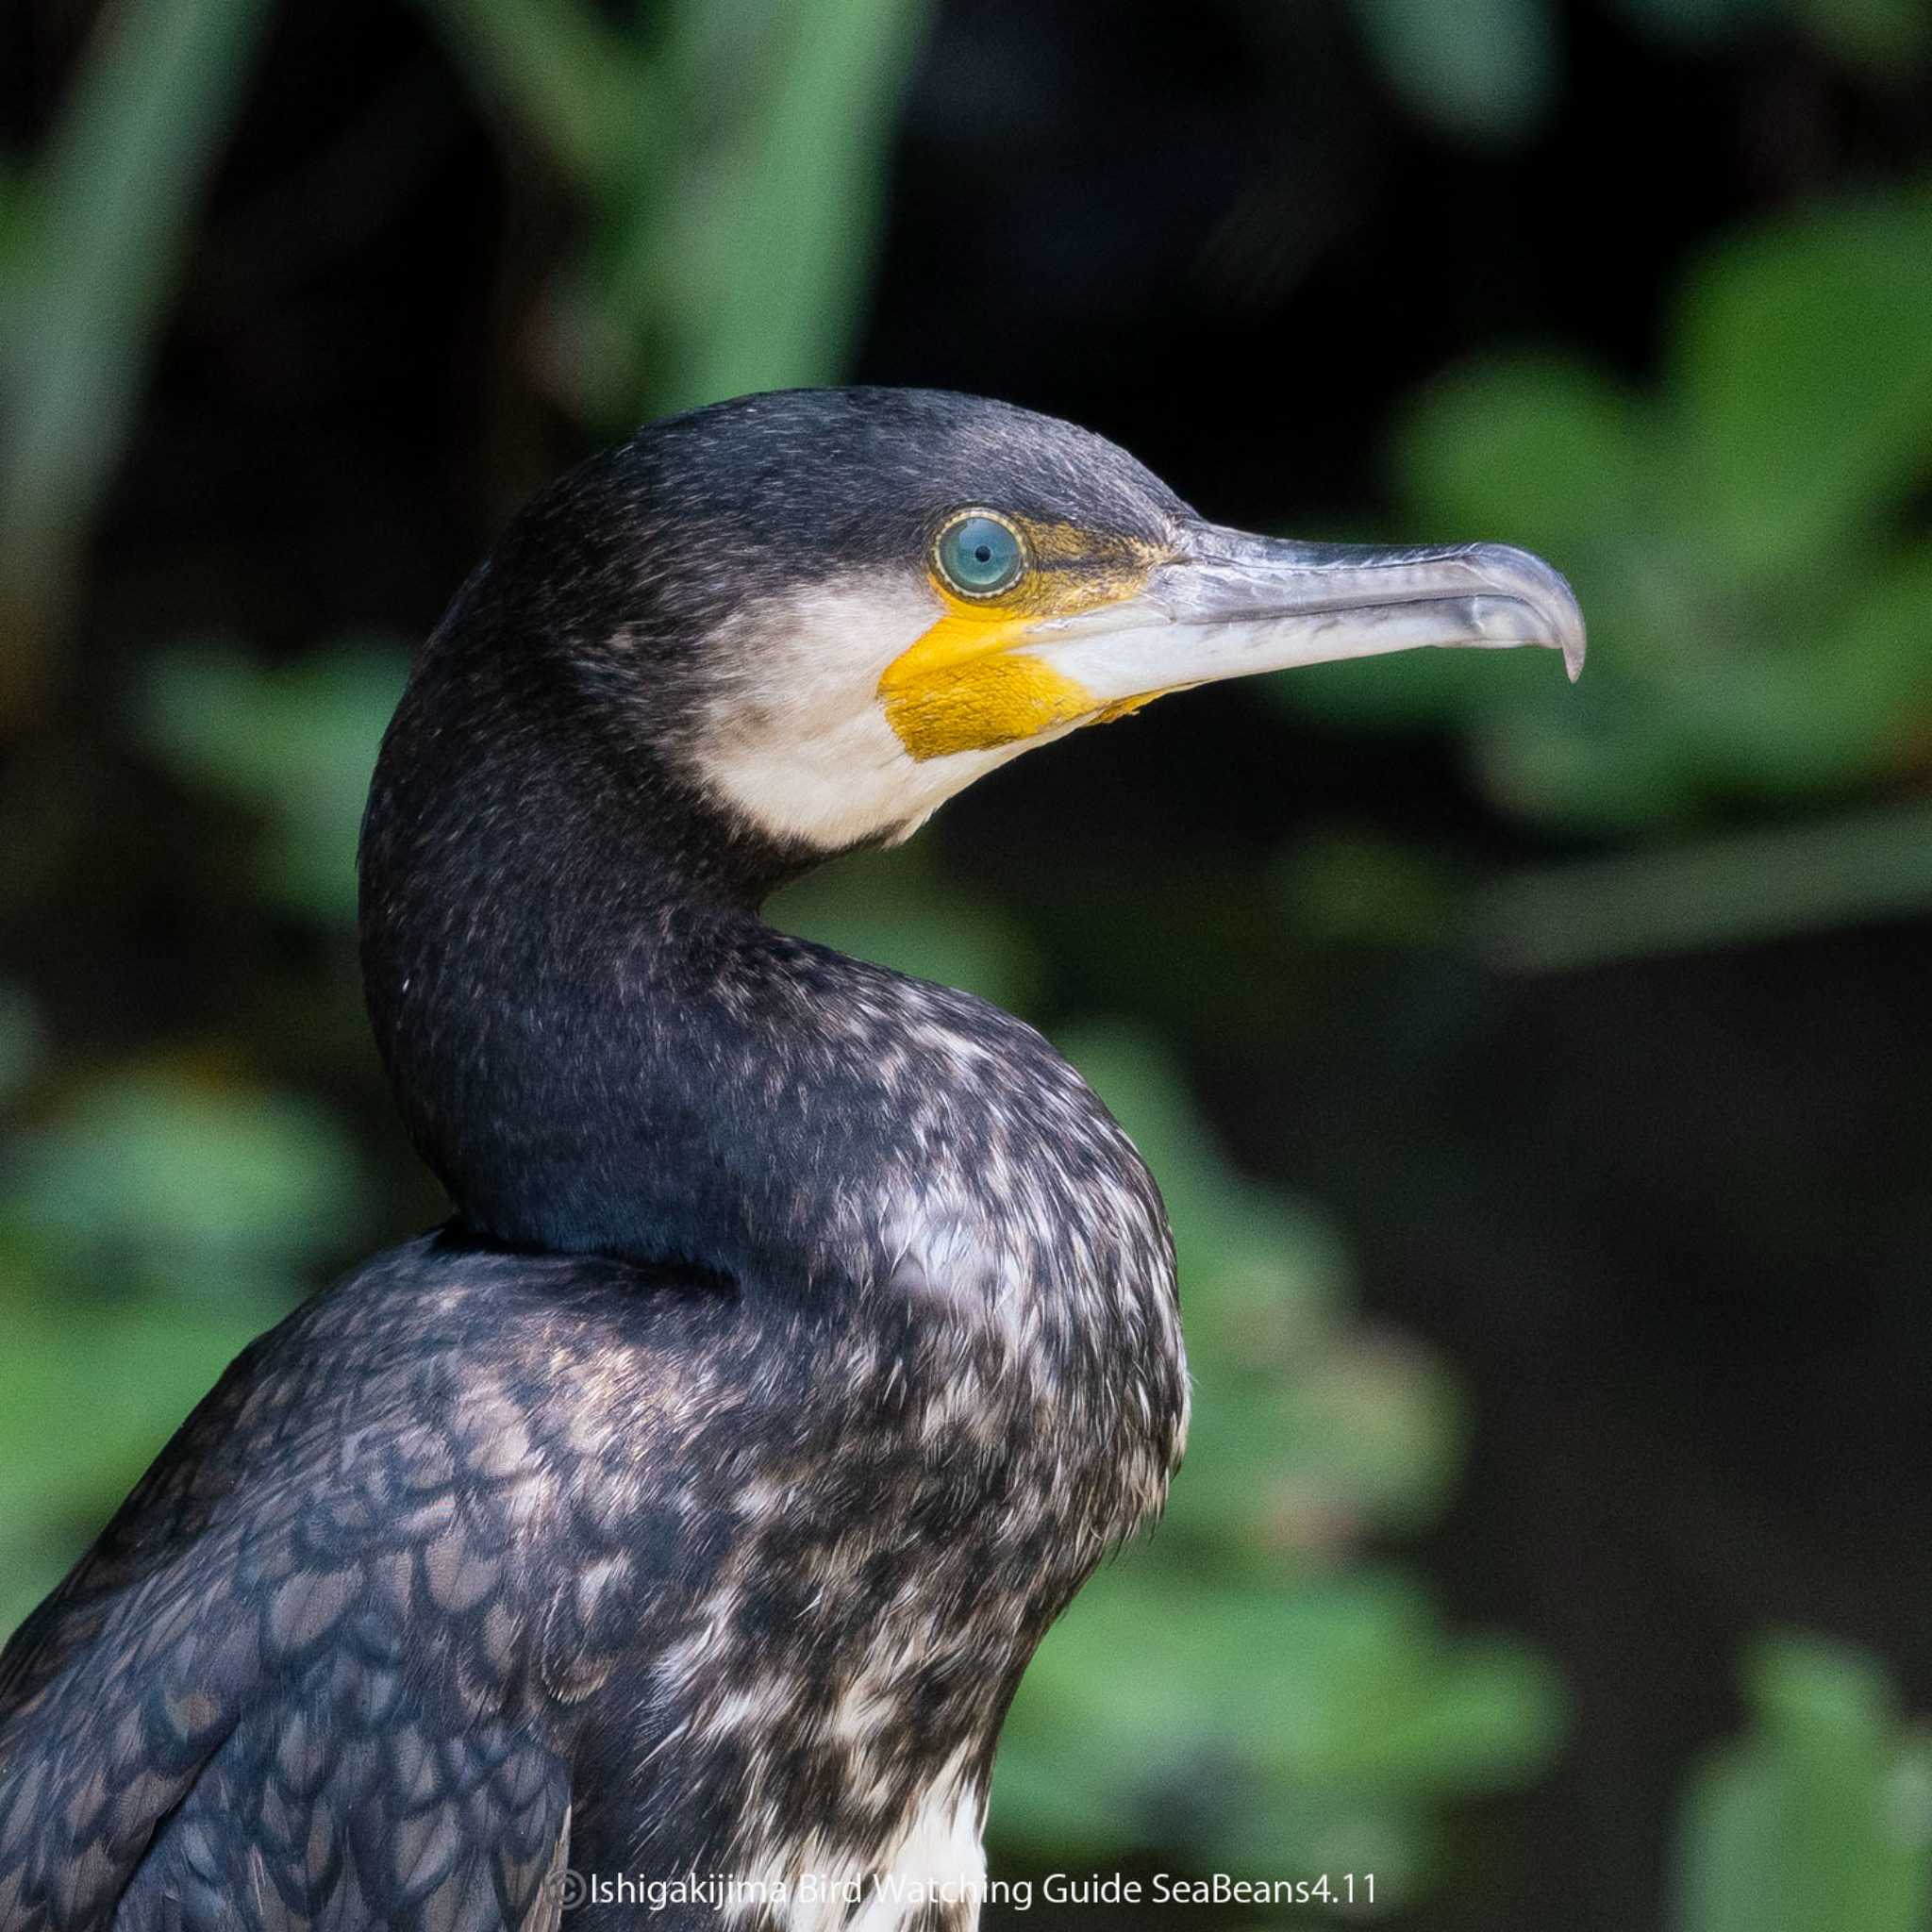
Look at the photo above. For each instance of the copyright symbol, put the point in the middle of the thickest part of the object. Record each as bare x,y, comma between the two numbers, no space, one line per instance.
569,1890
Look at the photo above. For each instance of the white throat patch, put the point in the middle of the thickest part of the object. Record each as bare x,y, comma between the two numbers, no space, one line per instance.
794,737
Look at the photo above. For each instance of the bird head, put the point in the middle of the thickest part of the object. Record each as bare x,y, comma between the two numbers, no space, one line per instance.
838,607
745,639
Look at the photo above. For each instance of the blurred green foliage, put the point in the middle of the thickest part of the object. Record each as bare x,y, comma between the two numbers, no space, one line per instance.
151,1224
90,242
1759,592
294,747
1820,1819
731,157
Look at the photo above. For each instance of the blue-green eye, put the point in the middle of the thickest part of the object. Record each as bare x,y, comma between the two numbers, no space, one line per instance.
979,555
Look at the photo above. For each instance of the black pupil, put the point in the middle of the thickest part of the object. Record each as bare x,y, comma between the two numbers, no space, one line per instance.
984,553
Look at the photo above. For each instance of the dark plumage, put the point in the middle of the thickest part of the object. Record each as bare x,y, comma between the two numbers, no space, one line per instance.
805,1334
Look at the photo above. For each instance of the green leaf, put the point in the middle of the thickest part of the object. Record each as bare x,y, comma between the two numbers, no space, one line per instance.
1756,631
763,254
1743,888
89,1394
1535,450
112,197
1821,1820
297,744
1803,359
1336,1703
182,1183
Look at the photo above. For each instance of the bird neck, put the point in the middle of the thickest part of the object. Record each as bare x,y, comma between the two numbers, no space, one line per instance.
558,938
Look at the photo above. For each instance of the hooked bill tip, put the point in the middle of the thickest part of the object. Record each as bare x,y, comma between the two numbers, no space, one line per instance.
1522,573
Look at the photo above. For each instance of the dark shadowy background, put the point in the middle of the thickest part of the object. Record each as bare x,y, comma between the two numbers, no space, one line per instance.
1538,1076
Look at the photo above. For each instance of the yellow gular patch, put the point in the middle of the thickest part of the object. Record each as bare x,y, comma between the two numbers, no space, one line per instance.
964,685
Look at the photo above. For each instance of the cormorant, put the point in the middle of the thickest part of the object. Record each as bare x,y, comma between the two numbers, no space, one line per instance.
687,1508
